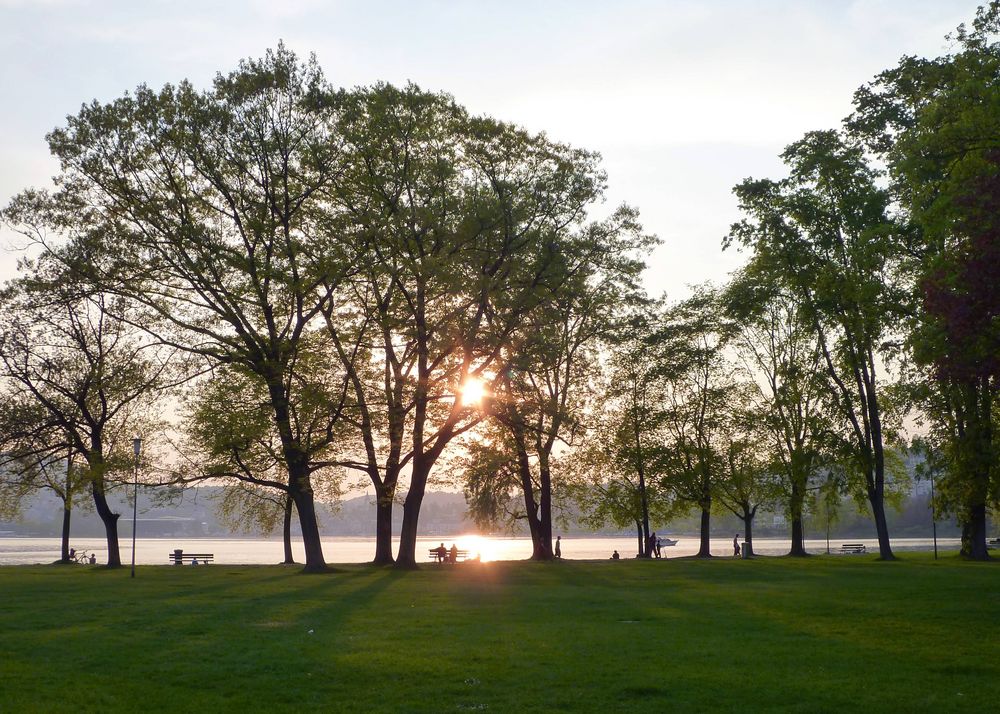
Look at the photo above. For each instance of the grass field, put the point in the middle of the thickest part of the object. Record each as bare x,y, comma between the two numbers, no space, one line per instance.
829,634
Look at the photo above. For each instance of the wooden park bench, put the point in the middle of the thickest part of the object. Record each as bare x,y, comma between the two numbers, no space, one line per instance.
461,555
179,557
853,548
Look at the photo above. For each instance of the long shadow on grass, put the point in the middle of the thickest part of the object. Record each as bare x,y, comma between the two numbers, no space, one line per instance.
805,645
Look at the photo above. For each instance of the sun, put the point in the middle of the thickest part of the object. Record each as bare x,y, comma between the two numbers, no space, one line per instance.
478,548
473,391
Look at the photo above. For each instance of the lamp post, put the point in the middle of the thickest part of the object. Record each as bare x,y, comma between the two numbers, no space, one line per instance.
933,517
136,448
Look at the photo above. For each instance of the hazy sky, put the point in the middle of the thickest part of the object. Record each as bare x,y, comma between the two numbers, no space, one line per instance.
683,98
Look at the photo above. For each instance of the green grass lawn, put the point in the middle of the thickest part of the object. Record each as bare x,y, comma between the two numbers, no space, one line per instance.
834,634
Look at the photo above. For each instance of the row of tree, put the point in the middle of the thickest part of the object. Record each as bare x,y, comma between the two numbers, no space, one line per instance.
868,299
300,283
322,270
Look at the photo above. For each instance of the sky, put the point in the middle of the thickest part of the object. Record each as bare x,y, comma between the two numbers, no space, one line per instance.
682,98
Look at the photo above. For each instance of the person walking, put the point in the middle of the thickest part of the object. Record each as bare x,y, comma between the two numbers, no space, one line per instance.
558,552
736,546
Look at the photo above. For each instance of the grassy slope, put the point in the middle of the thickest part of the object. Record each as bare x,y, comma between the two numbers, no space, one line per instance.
827,634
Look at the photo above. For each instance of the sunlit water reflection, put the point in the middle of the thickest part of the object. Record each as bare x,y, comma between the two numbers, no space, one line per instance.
253,551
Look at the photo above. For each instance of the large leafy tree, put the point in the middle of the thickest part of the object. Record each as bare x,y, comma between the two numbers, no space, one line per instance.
621,483
208,209
465,221
78,383
37,455
783,366
824,235
231,438
616,478
698,385
935,122
547,391
746,480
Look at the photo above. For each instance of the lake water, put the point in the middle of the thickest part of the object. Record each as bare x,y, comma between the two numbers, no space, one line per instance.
255,551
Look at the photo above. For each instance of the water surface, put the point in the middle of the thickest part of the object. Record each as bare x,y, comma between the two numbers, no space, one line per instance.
256,551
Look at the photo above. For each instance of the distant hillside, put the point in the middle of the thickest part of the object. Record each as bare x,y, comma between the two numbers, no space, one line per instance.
194,515
443,513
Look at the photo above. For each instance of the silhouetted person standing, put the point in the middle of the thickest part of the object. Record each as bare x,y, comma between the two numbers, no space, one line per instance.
559,547
736,546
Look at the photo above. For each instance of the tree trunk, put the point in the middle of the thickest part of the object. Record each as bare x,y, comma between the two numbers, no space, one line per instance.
67,497
286,532
383,528
95,462
748,531
795,512
644,547
974,533
301,492
67,512
705,551
407,557
110,521
876,495
538,549
421,469
646,551
541,547
976,456
640,539
881,526
545,510
798,539
299,483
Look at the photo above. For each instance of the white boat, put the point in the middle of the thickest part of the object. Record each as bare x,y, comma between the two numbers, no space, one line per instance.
663,542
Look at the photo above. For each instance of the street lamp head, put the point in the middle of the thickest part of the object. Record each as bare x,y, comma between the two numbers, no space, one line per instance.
136,446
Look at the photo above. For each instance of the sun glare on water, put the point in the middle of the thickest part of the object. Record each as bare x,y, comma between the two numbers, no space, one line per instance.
477,546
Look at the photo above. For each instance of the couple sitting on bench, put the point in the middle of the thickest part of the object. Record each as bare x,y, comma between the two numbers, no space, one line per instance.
444,555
